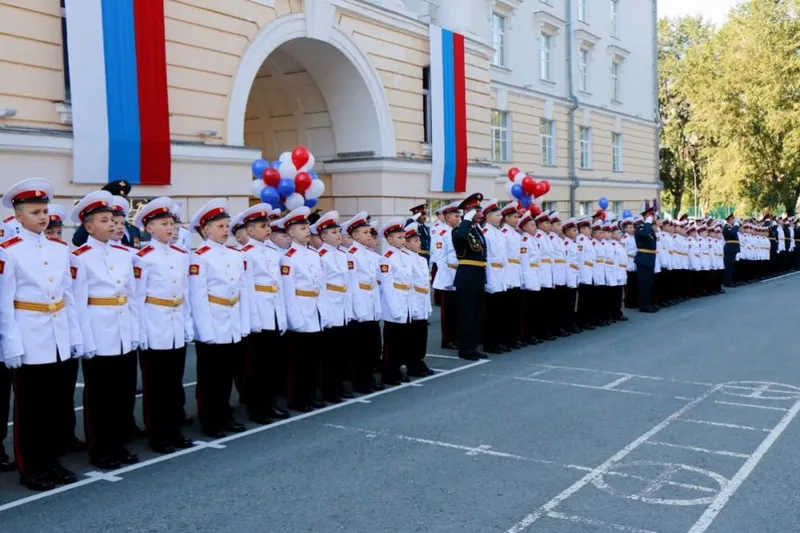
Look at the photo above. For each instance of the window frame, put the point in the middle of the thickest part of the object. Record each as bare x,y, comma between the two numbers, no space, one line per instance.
65,54
616,80
502,132
547,142
585,145
582,10
427,112
546,56
617,147
614,6
583,69
499,36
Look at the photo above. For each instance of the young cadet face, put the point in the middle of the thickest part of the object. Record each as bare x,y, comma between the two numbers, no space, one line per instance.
414,243
545,226
511,219
281,239
32,216
332,236
100,226
629,229
586,230
555,227
571,232
616,234
241,236
54,232
119,228
217,230
259,230
299,233
396,239
347,240
373,240
161,229
494,218
452,219
362,235
529,227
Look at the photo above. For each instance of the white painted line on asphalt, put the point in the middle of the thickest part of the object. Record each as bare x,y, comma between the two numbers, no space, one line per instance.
640,376
539,372
724,425
597,523
719,502
442,356
415,384
779,277
584,386
620,381
205,444
103,476
737,404
602,469
697,449
360,400
41,495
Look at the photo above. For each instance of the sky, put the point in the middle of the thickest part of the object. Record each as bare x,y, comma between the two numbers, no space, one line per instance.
715,10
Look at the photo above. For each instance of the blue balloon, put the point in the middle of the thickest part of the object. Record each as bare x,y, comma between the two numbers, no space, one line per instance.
286,186
310,202
313,175
627,213
275,164
526,201
603,202
516,191
281,206
258,167
269,195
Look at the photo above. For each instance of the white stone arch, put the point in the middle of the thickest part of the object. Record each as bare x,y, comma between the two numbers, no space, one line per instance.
356,77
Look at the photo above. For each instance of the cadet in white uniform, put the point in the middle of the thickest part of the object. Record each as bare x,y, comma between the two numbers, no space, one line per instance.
336,299
302,283
512,272
531,286
182,238
162,293
444,255
629,242
586,258
546,322
420,305
555,240
39,332
104,288
600,291
396,280
569,231
495,288
218,295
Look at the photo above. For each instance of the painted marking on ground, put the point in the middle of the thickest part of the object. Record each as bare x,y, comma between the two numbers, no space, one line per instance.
754,406
697,449
102,476
724,425
593,387
616,382
441,356
597,523
614,373
779,277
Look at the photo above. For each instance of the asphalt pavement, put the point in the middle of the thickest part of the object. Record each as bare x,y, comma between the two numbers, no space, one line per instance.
678,422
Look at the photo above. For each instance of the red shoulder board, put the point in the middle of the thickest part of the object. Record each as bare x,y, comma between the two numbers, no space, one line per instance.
202,250
291,252
539,235
246,247
388,253
82,249
442,232
8,219
323,252
485,230
118,247
551,237
235,249
505,230
594,243
177,248
353,250
12,241
56,239
144,251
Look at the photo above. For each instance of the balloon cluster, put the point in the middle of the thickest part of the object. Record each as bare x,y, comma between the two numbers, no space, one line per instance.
288,182
524,188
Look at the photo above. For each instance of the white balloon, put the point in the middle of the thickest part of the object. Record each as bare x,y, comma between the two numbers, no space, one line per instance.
309,164
519,177
256,187
315,190
287,170
294,200
508,187
286,157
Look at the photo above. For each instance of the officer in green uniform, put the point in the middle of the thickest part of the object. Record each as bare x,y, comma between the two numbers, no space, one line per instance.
470,280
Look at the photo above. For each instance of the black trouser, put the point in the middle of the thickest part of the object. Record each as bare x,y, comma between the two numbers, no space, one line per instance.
470,320
239,365
417,348
396,337
39,395
510,317
645,276
304,368
730,266
568,307
107,394
449,314
617,301
530,306
162,388
334,361
215,365
5,403
493,320
586,315
632,290
262,371
67,419
365,352
547,320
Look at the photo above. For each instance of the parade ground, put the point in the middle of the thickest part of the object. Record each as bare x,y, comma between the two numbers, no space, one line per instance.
682,421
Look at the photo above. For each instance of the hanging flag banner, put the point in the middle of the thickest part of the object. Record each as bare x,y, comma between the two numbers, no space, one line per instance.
118,82
448,111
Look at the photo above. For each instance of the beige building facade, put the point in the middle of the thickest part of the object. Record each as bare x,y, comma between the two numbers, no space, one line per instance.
347,78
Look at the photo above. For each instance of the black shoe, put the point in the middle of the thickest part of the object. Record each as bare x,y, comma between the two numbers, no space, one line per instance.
281,414
650,309
480,355
449,346
405,379
214,433
106,463
347,395
562,333
7,464
588,327
505,349
182,443
127,458
378,386
234,427
38,482
391,382
301,408
135,433
162,447
361,390
186,420
261,420
622,318
333,399
469,356
61,476
494,350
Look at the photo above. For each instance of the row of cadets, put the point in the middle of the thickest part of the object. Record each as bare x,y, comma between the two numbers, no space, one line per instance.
362,284
336,299
446,261
40,333
420,304
104,292
218,294
496,257
162,291
600,315
546,329
753,259
555,242
530,254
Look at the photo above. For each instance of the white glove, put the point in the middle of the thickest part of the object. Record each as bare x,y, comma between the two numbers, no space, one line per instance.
14,362
469,216
648,220
89,355
77,350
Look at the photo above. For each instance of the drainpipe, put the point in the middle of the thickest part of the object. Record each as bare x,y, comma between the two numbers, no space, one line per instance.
575,103
656,113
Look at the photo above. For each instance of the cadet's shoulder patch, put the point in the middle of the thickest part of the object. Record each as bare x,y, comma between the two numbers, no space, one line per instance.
8,219
323,252
523,250
286,270
504,230
353,250
118,247
384,268
439,245
566,243
290,252
350,265
144,251
2,232
203,249
79,251
551,237
194,270
137,272
539,235
524,238
485,230
56,239
177,248
388,254
11,242
594,243
247,247
2,266
235,249
442,232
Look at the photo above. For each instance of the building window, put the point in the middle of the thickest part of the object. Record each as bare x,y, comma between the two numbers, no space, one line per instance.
582,10
585,208
618,207
586,147
67,88
614,28
499,39
616,85
583,70
500,136
426,104
545,45
547,135
616,152
548,206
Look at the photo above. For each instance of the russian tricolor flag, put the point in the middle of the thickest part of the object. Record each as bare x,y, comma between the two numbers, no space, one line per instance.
118,81
448,111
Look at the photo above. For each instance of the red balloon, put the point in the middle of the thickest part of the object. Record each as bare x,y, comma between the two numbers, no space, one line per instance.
302,181
300,156
546,186
539,189
536,210
528,184
271,177
512,172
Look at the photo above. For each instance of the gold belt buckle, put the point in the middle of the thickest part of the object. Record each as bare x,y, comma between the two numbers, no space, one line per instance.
51,307
121,300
